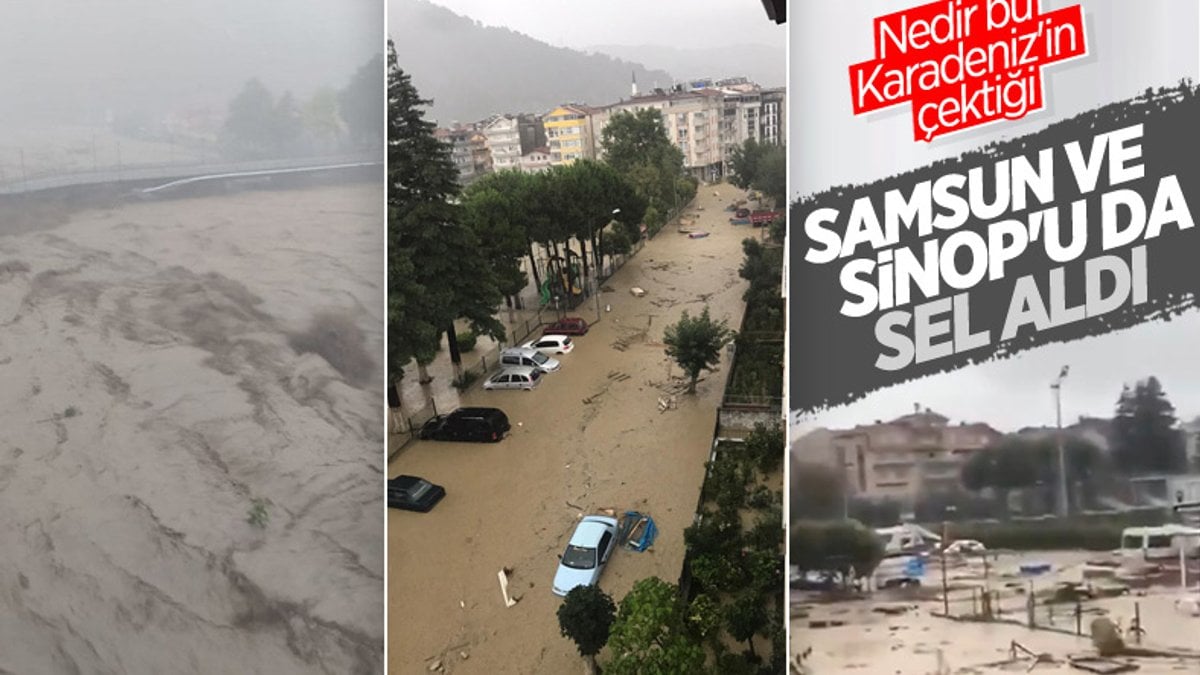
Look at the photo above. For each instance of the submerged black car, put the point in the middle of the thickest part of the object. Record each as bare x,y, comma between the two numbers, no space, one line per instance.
467,424
413,494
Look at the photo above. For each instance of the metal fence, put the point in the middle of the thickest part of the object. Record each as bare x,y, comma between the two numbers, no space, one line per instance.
407,424
1049,606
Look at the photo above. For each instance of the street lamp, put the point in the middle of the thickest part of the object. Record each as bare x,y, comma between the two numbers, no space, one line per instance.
1062,455
596,266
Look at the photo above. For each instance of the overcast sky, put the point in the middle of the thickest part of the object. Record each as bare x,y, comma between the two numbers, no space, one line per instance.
67,58
1014,393
674,23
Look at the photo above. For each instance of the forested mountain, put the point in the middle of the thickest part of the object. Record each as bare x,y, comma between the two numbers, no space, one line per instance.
472,71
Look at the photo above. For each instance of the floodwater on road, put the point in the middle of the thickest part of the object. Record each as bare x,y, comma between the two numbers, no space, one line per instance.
901,632
169,366
590,437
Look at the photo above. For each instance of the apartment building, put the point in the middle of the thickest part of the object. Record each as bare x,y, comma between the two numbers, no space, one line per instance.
503,139
536,160
569,134
692,120
904,459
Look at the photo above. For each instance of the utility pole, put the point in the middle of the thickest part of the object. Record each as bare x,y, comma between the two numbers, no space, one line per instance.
1063,508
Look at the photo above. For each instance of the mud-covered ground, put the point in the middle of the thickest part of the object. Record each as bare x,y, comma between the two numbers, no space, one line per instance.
167,366
591,437
897,632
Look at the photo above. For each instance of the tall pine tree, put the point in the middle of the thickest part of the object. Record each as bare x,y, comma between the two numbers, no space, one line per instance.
436,270
1147,440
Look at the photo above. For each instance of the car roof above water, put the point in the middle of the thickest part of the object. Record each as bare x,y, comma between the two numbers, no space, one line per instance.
527,371
588,532
479,412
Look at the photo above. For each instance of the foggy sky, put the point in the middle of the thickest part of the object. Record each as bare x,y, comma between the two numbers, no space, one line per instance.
65,59
682,24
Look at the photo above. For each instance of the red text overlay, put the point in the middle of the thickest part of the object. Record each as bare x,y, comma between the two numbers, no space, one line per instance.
964,63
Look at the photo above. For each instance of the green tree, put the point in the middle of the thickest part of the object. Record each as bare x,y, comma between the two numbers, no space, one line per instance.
289,124
1145,433
771,179
321,121
743,163
586,616
637,146
695,343
496,208
765,446
361,103
841,546
447,276
745,617
816,491
251,125
1009,465
650,636
762,167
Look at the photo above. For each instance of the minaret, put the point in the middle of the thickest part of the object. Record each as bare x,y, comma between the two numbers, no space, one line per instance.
634,73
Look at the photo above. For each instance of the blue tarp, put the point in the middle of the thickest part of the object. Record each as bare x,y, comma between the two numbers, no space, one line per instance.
645,536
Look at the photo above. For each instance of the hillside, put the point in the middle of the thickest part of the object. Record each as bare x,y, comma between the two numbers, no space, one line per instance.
472,71
763,64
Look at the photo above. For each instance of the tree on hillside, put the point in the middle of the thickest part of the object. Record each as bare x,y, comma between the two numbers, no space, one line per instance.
586,616
695,343
251,124
360,103
425,227
650,635
1146,437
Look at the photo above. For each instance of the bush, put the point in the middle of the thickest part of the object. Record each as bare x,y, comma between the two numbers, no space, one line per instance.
463,383
835,547
467,341
1089,532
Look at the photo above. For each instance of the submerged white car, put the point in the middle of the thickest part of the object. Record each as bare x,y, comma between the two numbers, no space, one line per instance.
515,377
551,344
587,552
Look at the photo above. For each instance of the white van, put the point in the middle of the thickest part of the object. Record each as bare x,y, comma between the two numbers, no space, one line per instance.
1159,543
519,356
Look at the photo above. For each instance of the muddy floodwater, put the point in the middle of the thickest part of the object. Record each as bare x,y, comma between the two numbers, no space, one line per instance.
174,370
902,632
590,437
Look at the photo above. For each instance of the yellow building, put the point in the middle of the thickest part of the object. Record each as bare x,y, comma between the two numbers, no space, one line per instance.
569,134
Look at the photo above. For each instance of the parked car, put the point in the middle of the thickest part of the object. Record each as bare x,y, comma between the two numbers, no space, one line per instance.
571,325
413,494
520,356
587,552
515,377
551,344
467,424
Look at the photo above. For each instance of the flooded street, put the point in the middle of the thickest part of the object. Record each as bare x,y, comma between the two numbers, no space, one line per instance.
590,437
898,631
172,369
